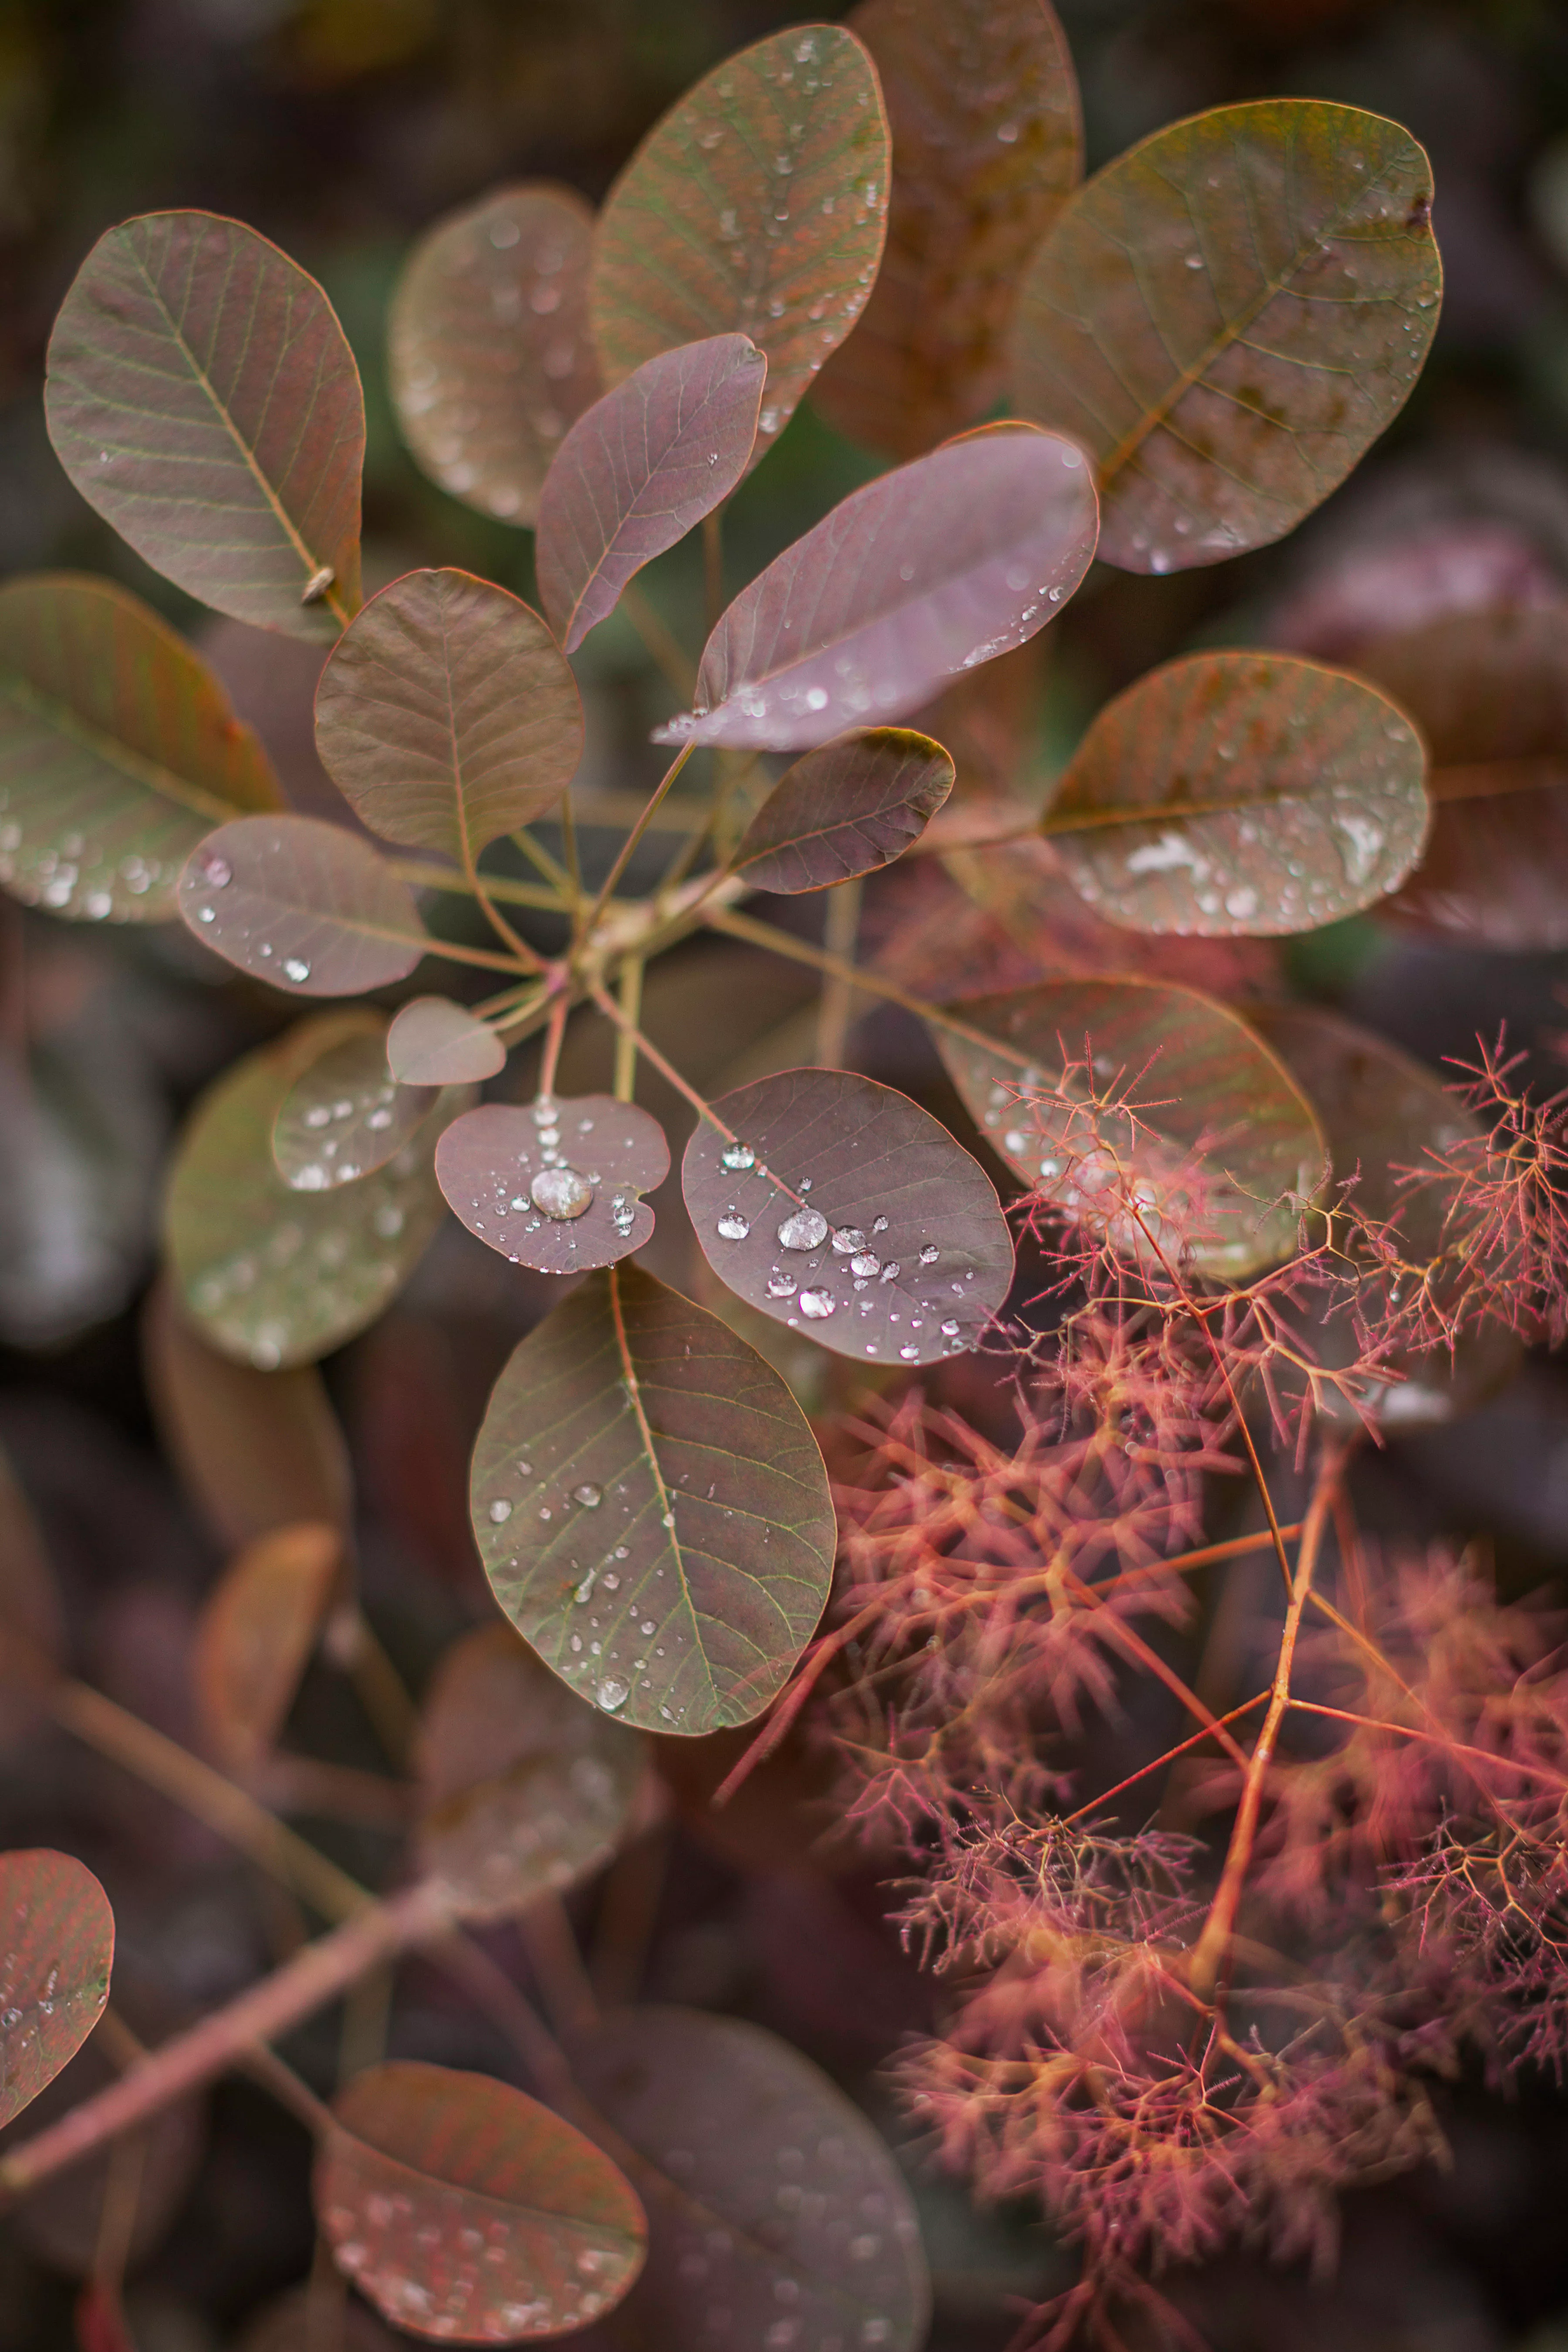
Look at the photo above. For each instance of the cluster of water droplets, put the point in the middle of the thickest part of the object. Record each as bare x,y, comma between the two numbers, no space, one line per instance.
80,873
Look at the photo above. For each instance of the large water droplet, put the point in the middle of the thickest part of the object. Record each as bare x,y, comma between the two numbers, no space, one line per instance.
561,1193
737,1157
611,1693
847,1240
588,1495
782,1285
805,1230
817,1304
733,1227
296,969
929,1254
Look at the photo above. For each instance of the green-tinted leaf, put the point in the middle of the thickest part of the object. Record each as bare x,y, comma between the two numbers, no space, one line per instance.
756,206
558,1186
467,2212
987,143
1228,316
345,1115
202,397
1280,795
57,1946
448,715
254,1637
845,810
118,751
490,352
433,1043
651,1508
310,907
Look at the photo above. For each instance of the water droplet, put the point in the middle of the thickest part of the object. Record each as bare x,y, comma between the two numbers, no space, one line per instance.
805,1230
865,1265
611,1693
950,1330
733,1227
908,1354
501,1511
929,1254
296,969
737,1157
588,1495
847,1240
817,1304
561,1193
216,871
782,1285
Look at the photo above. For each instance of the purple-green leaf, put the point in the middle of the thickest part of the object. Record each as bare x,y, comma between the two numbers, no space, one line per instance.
433,1043
57,1946
346,1114
558,1186
854,805
310,907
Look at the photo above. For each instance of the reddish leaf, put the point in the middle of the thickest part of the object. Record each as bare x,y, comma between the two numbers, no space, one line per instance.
55,1956
254,1635
345,1115
311,908
433,1043
845,810
447,714
202,399
490,352
633,475
466,2212
558,1186
921,574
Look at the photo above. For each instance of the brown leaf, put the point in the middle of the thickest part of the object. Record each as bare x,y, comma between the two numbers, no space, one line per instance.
254,1638
313,909
433,1043
57,1946
557,1186
345,1115
845,810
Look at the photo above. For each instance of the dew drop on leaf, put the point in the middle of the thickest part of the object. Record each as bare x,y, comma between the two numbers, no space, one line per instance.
805,1230
561,1193
817,1304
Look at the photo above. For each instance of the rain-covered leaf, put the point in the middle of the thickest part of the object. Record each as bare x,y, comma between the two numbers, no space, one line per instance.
448,715
57,1946
845,810
255,1634
433,1043
840,1208
118,751
202,399
275,1277
557,1186
466,2211
917,577
311,908
1153,1097
523,1788
1242,792
489,351
634,475
651,1508
1228,316
345,1115
756,206
770,2197
987,143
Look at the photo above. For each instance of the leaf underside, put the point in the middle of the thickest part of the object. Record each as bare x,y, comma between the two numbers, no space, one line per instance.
309,906
845,810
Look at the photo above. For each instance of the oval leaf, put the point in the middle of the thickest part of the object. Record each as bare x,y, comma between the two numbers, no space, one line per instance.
345,1115
465,2211
1228,316
758,206
845,810
645,463
987,143
558,1186
922,574
448,715
523,1788
55,1954
255,1634
1280,795
651,1508
433,1043
202,397
310,907
840,1208
490,352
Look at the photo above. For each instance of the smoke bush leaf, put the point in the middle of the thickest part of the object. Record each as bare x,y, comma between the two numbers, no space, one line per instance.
1228,316
757,205
558,1186
308,906
1280,795
57,1947
489,353
446,715
254,1637
917,577
987,143
840,1208
345,1115
202,397
645,463
466,2211
852,806
651,1508
433,1043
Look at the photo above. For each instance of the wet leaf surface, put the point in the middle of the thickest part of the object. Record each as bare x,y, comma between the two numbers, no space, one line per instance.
433,1043
917,577
651,1508
490,351
1228,316
845,810
466,2212
448,715
838,1207
757,205
556,1186
309,906
54,1958
345,1115
987,143
257,1630
1281,795
202,399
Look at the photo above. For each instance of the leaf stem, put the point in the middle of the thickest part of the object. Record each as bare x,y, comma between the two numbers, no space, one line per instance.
627,846
630,994
422,874
836,1008
559,1010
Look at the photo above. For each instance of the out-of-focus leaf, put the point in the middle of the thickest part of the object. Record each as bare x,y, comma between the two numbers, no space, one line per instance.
767,2192
57,1947
202,397
651,1508
286,2325
558,1186
310,908
346,1116
1142,1091
448,715
523,1788
1228,316
845,810
433,1043
757,205
118,751
275,1277
987,143
490,355
1242,792
99,2320
921,575
466,2211
634,475
32,1623
255,1634
840,1208
59,2223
